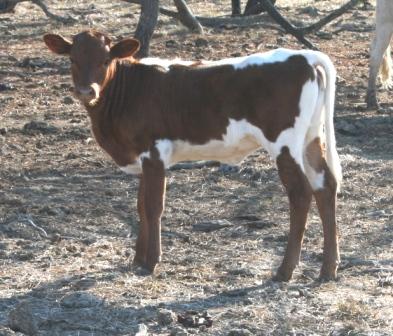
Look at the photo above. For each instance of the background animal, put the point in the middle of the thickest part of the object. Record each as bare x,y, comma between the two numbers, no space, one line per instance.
380,57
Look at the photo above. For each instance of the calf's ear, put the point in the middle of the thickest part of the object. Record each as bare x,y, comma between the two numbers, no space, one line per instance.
125,48
57,44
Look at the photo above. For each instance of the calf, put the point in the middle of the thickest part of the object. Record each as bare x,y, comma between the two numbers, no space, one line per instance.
380,58
149,114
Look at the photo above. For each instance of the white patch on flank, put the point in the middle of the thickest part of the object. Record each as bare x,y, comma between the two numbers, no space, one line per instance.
165,149
317,180
294,137
241,139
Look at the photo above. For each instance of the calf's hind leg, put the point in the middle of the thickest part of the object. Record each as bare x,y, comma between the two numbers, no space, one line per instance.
299,194
324,187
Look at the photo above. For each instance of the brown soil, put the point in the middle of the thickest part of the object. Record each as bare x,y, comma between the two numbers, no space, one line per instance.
68,218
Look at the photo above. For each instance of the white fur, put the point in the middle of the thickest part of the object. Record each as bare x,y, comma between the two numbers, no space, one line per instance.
272,56
317,180
277,55
165,150
165,63
240,139
135,168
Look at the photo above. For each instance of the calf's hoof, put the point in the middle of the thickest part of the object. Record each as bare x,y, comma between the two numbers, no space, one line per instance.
142,267
138,261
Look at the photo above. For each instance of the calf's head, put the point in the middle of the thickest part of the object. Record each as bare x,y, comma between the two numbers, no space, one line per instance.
92,60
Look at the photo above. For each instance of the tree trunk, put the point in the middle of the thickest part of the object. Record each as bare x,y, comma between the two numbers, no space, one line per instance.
7,6
254,7
236,9
146,25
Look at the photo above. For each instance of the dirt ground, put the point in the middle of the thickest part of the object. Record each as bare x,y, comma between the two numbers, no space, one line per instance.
68,218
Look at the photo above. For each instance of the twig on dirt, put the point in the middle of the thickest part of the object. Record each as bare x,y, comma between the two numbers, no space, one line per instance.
212,225
28,220
195,165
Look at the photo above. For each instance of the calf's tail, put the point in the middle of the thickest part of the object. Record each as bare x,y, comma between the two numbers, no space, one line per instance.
332,158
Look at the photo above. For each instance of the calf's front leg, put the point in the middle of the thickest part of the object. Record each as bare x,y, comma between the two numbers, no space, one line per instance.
141,242
151,199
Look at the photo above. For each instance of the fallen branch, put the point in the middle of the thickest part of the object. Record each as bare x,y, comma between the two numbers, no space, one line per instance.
187,18
327,19
195,165
288,27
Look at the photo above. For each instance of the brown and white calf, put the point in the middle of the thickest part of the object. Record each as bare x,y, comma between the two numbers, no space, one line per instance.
149,114
380,57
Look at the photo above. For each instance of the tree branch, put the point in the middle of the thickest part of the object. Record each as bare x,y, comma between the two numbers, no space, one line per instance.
186,17
7,6
214,22
327,19
288,27
146,25
52,16
243,21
